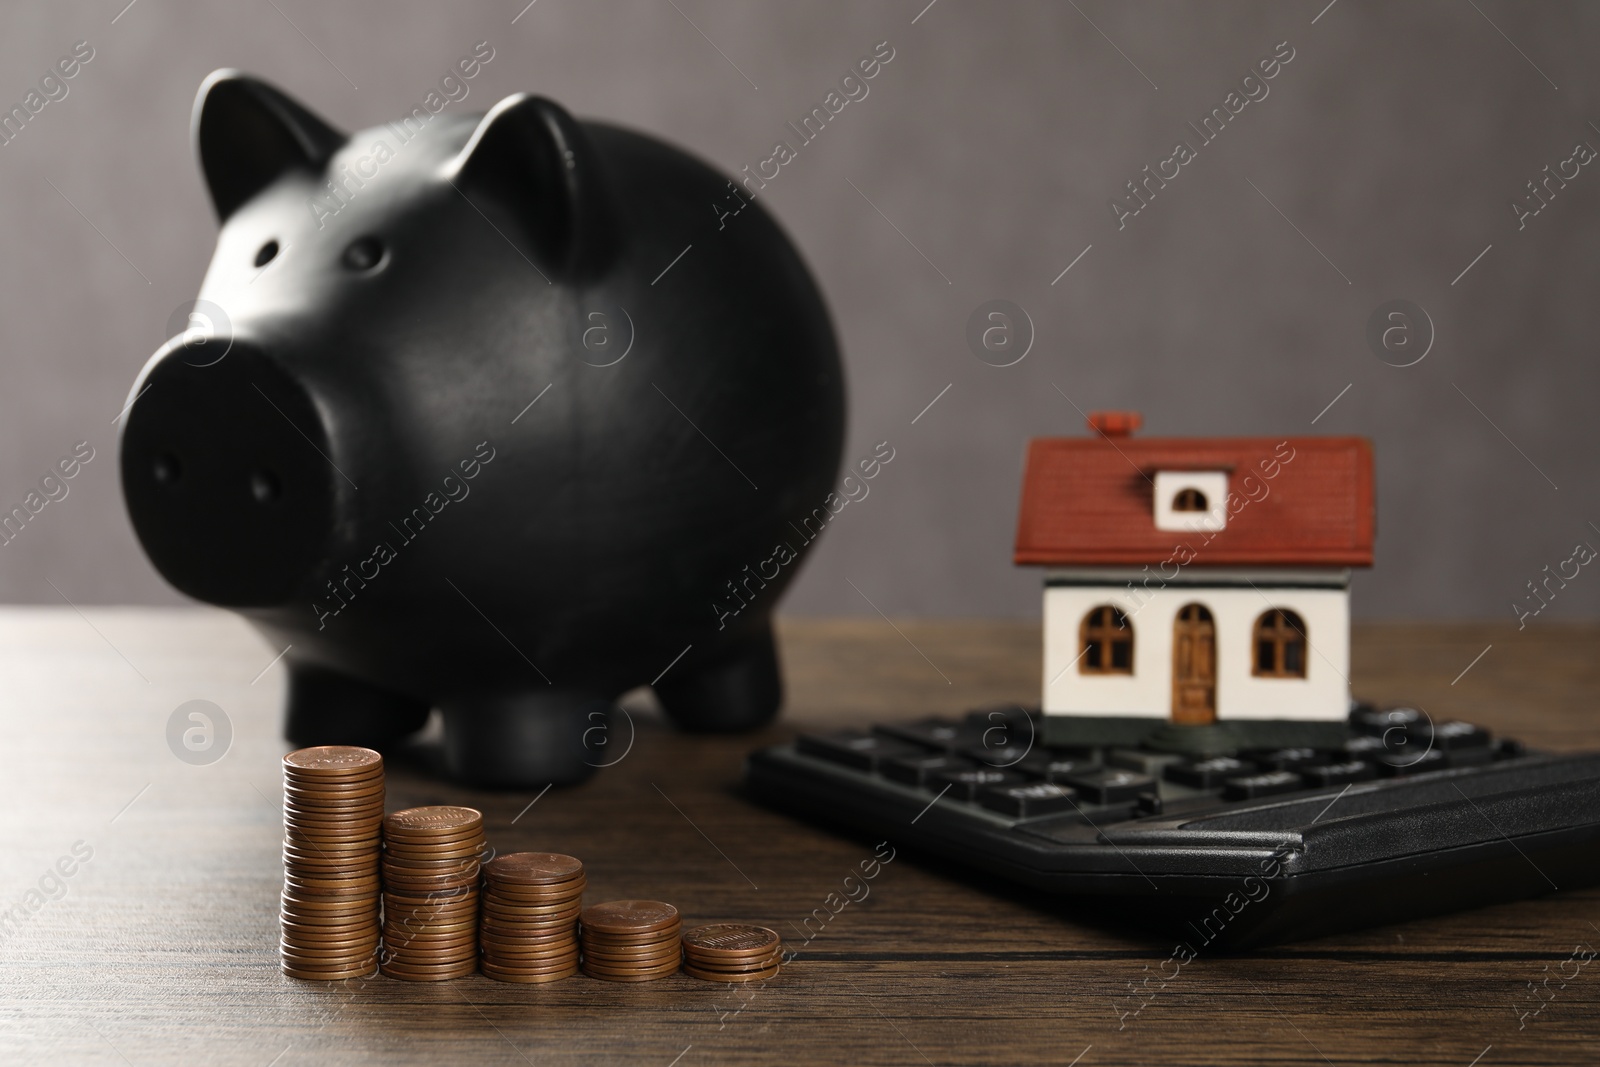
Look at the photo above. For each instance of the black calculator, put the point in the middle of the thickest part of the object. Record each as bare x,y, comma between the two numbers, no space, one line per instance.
1407,817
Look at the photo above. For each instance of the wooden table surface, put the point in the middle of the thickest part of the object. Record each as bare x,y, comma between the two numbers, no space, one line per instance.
160,947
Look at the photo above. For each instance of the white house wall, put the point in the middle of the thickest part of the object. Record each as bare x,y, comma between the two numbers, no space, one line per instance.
1324,693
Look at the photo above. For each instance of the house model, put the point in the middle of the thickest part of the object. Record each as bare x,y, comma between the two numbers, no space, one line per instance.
1197,591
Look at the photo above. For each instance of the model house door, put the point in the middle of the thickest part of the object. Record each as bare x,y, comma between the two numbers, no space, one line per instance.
1194,666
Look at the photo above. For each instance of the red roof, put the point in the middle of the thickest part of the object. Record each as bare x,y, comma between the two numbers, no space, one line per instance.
1090,501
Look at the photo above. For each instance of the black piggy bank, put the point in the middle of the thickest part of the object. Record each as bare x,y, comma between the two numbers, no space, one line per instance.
481,412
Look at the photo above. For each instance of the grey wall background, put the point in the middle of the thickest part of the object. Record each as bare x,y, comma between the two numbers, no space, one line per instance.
1383,161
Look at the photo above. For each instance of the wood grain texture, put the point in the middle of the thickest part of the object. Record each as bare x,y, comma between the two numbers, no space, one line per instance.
161,948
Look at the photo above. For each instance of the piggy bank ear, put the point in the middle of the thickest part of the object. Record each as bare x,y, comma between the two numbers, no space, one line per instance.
246,133
529,165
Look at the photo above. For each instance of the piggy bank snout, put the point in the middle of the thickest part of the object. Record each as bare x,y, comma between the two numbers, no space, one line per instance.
227,469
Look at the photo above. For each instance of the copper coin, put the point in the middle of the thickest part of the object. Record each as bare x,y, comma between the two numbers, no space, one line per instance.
473,849
433,821
432,866
541,967
730,940
407,974
306,953
739,968
359,971
525,933
323,793
411,920
554,900
623,955
533,894
550,900
365,828
500,904
606,975
400,925
534,943
534,868
523,955
439,906
295,814
317,845
447,877
330,839
655,937
329,842
498,975
567,912
363,958
629,917
629,966
401,842
436,951
296,902
323,856
333,761
731,976
301,932
331,921
333,787
419,912
443,956
304,891
441,868
333,879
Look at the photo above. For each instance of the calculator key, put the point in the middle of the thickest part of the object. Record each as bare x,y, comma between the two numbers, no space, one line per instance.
1406,764
1142,760
1054,766
1110,786
919,770
1028,799
1285,759
1379,722
1453,735
964,784
1337,773
1361,747
999,755
1207,773
1269,783
853,748
932,733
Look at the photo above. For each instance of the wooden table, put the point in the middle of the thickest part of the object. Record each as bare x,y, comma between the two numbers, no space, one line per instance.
161,947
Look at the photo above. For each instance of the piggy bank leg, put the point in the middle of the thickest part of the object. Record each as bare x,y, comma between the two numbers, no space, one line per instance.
523,740
329,708
736,688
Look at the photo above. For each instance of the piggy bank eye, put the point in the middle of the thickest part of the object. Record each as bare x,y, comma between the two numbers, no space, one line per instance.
364,253
265,253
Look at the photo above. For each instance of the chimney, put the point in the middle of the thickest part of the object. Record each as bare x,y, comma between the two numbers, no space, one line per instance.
1114,423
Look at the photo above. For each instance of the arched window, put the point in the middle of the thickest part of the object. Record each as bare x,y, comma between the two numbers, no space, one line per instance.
1281,644
1190,500
1105,642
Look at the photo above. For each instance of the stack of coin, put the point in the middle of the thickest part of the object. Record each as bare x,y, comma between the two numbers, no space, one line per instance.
529,930
332,807
631,940
430,893
731,952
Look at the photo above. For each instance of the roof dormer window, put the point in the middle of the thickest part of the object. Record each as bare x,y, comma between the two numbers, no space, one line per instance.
1191,500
